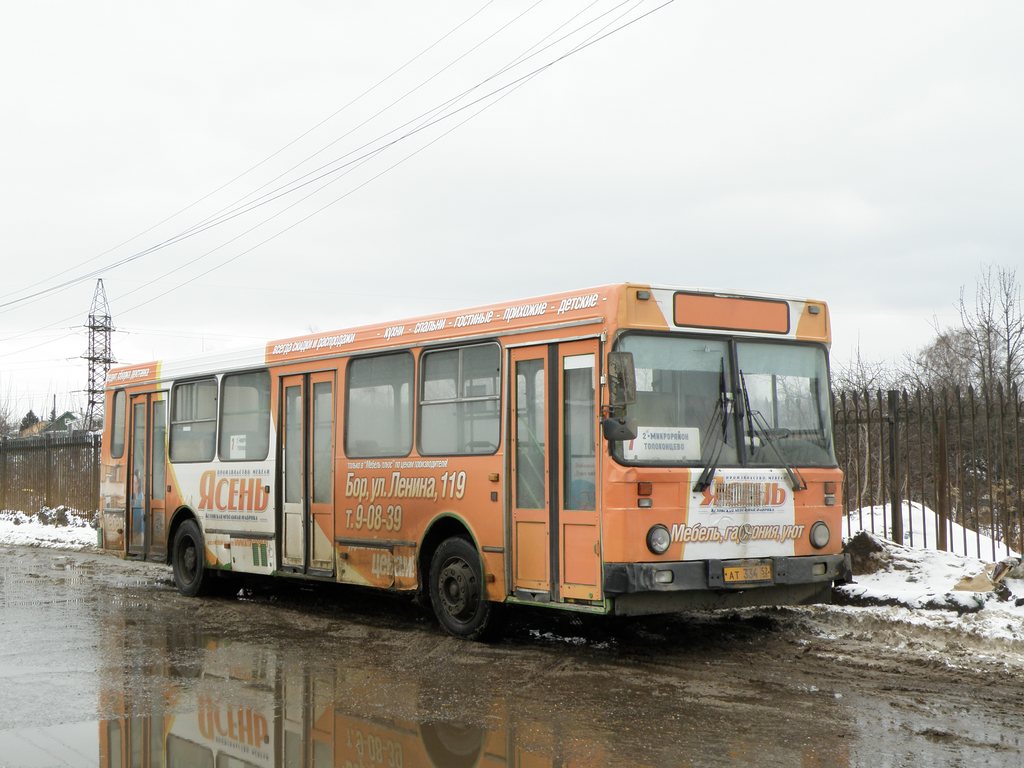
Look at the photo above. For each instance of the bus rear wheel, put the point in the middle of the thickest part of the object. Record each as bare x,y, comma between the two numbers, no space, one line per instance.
188,560
457,590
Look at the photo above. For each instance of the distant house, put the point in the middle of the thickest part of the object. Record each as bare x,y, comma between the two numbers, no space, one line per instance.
66,422
35,429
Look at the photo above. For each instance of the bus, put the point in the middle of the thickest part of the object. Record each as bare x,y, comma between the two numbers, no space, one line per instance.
625,449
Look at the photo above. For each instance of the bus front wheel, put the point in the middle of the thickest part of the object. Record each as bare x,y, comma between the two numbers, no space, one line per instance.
188,560
457,590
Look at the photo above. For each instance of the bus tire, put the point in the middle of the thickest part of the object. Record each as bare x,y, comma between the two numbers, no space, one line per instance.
457,590
189,560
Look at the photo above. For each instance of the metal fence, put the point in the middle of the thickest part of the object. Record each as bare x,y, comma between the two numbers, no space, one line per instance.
50,470
948,460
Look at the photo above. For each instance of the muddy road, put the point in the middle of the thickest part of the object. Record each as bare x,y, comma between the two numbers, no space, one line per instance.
103,663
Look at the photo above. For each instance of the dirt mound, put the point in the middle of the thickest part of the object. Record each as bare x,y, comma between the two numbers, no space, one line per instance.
867,554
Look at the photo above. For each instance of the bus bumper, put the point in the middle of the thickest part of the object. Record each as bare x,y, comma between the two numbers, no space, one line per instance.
642,588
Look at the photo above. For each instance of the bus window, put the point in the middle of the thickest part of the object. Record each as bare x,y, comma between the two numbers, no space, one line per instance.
194,420
114,759
378,419
459,409
578,405
182,753
245,417
117,426
530,436
323,424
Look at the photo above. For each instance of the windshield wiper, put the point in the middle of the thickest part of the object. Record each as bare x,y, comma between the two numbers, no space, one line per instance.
718,419
757,426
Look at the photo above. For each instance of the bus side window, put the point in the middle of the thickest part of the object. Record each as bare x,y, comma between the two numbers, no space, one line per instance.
459,405
193,420
117,425
245,416
378,416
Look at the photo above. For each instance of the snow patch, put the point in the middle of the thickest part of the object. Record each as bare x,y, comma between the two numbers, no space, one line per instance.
940,589
57,527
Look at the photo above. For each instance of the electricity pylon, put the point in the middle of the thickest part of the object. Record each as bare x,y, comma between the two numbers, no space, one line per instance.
99,357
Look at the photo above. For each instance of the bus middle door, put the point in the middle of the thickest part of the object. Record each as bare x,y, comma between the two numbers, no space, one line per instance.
307,473
555,525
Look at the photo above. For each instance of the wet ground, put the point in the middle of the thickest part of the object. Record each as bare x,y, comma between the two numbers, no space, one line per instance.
103,663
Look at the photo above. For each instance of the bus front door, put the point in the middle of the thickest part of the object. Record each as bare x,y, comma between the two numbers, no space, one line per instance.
147,480
555,523
307,473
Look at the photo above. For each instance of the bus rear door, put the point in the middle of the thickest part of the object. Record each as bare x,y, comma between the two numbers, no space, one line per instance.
147,479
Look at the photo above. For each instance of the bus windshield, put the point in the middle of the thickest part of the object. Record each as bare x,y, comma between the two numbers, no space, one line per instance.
691,406
785,391
683,401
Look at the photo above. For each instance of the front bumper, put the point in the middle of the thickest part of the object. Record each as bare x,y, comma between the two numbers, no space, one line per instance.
633,578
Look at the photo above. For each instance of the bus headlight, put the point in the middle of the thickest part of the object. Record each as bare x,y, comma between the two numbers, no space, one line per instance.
658,539
820,535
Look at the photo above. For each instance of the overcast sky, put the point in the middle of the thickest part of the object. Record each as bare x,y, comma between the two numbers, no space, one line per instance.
868,154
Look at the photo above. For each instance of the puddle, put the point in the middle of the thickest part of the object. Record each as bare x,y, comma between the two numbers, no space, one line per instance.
73,745
333,677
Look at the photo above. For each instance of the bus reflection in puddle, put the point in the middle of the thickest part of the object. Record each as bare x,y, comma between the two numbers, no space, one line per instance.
230,735
248,709
250,706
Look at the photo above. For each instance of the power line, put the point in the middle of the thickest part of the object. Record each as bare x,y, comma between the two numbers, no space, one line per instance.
240,207
513,85
304,180
248,170
180,335
379,112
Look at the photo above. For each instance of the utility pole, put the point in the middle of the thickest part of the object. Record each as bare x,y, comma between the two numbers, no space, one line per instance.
99,357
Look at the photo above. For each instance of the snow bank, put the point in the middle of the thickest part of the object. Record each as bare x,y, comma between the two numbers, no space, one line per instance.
60,527
940,588
920,530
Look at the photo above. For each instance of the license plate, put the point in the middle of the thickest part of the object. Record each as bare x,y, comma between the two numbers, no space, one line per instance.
737,574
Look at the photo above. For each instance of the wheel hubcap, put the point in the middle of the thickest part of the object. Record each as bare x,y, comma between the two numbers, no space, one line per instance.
459,591
188,561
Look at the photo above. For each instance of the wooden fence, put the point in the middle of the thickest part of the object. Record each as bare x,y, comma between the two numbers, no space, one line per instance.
50,470
949,460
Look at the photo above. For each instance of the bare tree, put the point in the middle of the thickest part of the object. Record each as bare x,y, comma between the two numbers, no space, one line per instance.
854,385
1010,328
995,327
859,374
8,421
946,363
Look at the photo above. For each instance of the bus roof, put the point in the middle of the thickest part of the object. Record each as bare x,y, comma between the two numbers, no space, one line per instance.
631,305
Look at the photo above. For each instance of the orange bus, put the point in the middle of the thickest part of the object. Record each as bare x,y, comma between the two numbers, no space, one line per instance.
626,449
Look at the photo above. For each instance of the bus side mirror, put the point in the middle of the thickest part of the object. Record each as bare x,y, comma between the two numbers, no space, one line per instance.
621,379
621,392
618,429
